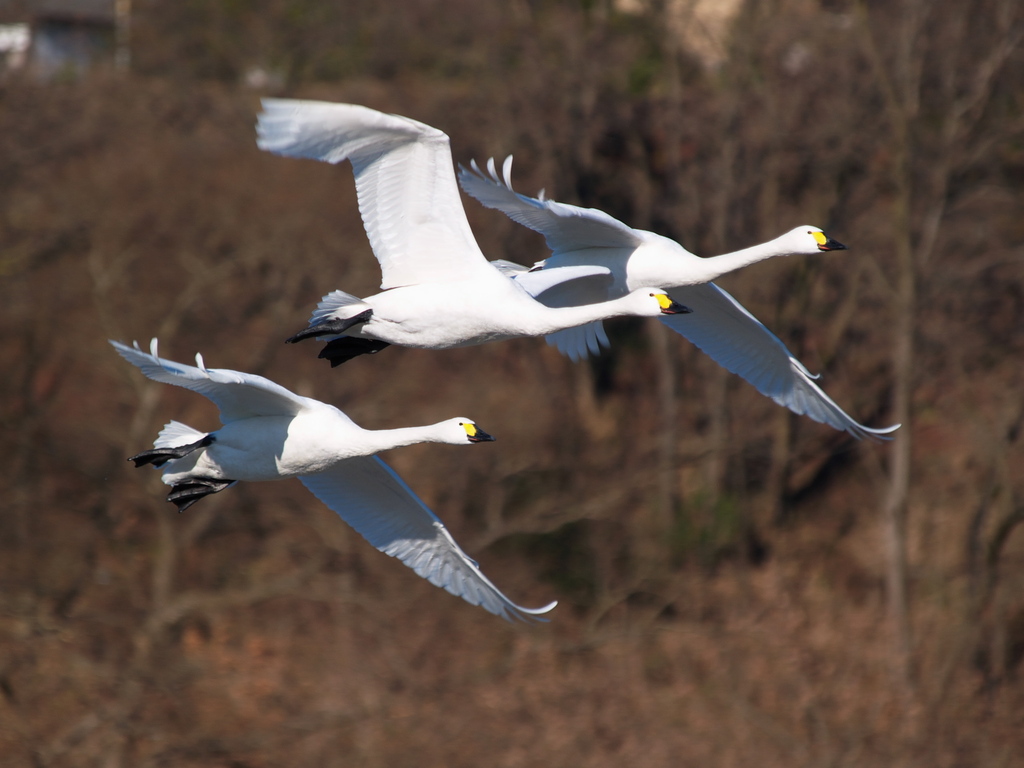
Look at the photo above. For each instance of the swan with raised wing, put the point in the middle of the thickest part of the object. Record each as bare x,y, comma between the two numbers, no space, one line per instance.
271,433
438,289
718,324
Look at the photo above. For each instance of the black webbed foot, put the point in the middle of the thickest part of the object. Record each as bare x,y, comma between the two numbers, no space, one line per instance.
329,327
185,494
160,456
339,351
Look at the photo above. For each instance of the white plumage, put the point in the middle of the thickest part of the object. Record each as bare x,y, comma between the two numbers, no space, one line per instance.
718,324
439,291
270,433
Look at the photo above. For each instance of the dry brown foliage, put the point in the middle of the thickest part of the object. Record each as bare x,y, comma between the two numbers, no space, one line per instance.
721,565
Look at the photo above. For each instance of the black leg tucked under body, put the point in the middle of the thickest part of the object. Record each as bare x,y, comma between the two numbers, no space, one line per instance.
160,456
187,493
342,350
329,327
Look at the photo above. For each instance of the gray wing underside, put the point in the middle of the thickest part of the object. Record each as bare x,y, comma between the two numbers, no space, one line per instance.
731,336
376,502
580,341
725,331
564,286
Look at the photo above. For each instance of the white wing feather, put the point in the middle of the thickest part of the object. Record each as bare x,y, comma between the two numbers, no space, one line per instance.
587,277
509,268
581,341
237,395
176,434
565,227
725,331
719,325
376,502
405,181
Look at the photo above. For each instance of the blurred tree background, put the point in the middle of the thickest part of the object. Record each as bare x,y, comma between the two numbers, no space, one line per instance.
737,586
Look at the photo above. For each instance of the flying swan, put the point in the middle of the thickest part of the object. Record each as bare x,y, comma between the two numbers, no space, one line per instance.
438,289
719,325
270,433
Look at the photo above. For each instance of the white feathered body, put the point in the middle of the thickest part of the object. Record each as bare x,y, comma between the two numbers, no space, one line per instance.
439,290
271,448
271,433
718,324
465,313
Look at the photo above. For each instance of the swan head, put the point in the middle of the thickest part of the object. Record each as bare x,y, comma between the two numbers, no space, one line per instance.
808,240
655,302
459,431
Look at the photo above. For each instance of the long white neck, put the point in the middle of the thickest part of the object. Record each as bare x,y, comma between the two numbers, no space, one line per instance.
714,267
386,439
636,304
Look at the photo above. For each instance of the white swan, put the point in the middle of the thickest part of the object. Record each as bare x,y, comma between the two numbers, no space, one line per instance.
271,433
718,325
438,289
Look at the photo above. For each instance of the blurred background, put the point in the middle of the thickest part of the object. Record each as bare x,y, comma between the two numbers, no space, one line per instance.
737,586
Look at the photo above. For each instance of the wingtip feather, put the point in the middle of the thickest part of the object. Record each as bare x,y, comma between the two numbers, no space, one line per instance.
506,170
534,614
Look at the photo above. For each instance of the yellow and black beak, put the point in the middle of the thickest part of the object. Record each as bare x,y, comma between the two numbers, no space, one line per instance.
477,435
826,243
670,307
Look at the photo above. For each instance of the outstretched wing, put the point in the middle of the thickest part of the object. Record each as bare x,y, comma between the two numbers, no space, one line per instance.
237,395
564,286
739,342
405,183
718,324
580,341
376,502
588,285
565,227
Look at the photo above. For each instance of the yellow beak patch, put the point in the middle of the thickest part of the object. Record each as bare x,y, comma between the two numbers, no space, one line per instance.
819,238
663,300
